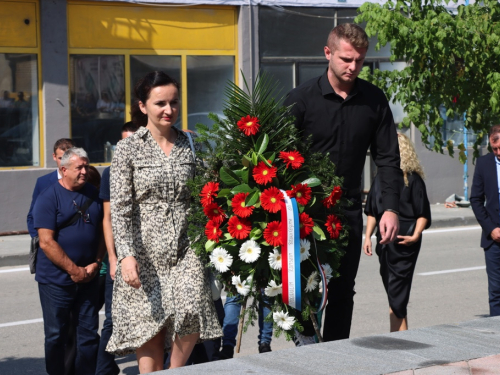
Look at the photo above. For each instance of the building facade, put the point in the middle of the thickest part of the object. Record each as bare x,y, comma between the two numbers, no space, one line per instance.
68,67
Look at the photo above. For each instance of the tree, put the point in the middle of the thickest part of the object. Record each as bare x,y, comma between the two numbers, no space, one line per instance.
454,61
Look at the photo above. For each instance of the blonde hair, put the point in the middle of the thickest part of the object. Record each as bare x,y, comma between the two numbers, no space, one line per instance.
409,158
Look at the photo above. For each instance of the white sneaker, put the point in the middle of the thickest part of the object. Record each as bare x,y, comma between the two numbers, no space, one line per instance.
300,340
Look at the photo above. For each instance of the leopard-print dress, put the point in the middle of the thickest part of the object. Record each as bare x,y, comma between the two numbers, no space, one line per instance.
149,210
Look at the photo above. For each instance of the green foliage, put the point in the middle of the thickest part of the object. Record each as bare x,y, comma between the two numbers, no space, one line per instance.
455,62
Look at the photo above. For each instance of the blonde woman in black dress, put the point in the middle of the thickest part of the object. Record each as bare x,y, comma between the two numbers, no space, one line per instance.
398,259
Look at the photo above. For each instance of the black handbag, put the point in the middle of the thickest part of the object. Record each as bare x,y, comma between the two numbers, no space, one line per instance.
35,241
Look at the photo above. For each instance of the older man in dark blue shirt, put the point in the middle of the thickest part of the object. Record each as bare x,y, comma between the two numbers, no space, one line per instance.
345,116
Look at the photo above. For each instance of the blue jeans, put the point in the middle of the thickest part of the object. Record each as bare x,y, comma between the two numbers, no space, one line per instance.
232,309
57,302
492,257
105,361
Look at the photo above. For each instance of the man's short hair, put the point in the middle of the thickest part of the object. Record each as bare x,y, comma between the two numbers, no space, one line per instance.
73,151
349,32
129,127
494,133
63,144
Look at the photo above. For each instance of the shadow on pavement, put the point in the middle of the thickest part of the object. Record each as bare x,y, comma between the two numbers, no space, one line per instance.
13,365
388,343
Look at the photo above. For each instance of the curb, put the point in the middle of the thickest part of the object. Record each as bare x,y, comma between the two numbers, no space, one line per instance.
14,260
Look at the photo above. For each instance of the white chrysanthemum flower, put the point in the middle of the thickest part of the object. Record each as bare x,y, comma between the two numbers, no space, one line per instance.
241,286
283,320
249,251
275,259
272,289
221,259
305,245
312,282
328,271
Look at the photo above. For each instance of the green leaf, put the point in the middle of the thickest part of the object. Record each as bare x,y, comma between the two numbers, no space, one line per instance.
265,160
246,161
312,182
254,158
252,198
243,188
262,143
210,245
229,177
255,233
223,193
318,233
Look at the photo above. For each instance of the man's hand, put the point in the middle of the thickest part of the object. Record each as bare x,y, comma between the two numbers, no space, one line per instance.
130,272
495,234
92,270
79,275
389,227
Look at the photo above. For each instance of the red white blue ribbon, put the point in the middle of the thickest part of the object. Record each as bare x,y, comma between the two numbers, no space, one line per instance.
290,252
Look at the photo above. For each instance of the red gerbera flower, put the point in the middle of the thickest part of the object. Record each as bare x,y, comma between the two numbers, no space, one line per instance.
249,125
214,212
306,225
208,193
271,198
238,228
238,204
292,158
263,174
272,233
334,226
301,192
333,198
212,231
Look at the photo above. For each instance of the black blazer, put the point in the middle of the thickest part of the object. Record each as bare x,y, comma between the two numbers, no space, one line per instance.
485,189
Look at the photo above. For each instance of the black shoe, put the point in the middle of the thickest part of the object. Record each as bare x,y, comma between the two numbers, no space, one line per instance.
265,347
226,352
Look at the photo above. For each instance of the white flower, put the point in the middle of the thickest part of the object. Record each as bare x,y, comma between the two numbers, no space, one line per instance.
275,259
283,320
305,245
273,289
249,251
312,283
241,286
328,271
221,259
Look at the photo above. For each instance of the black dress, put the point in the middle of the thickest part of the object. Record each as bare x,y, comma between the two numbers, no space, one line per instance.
397,262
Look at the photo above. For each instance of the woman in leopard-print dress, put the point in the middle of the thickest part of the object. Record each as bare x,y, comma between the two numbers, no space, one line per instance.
161,295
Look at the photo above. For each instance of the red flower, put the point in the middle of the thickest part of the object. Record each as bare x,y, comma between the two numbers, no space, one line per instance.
263,174
249,125
333,198
272,233
238,204
302,193
212,231
334,226
214,212
208,193
238,228
271,198
306,225
292,158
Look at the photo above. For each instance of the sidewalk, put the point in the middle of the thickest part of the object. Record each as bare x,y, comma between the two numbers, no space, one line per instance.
466,348
14,249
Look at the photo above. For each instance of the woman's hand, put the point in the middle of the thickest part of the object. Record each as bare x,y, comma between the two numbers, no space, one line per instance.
130,272
367,246
408,240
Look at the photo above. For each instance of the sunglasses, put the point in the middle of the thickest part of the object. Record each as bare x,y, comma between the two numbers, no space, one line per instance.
85,217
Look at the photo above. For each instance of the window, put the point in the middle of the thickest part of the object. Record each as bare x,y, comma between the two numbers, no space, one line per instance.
19,137
97,103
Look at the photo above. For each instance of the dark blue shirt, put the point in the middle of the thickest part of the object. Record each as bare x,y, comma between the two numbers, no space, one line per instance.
104,193
53,207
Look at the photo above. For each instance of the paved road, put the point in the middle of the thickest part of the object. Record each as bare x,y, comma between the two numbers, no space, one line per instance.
449,286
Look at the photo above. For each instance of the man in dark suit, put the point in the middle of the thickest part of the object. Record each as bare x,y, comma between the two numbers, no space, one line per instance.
45,181
486,188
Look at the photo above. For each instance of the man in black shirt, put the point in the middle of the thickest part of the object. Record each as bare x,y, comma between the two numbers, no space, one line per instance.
345,115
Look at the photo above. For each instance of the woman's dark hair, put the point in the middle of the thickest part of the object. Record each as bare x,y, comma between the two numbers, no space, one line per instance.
94,177
143,88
